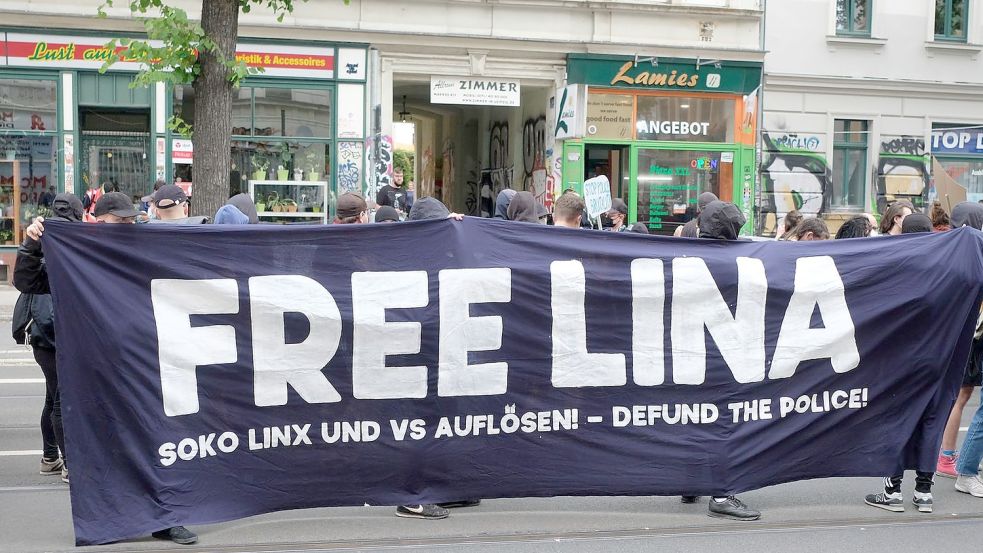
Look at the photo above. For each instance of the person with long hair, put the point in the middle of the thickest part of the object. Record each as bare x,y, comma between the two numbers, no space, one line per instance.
855,227
940,218
792,220
894,216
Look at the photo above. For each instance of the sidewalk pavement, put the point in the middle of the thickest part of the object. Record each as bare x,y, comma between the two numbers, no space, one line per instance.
8,297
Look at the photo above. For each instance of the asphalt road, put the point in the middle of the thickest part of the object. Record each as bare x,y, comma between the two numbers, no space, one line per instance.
817,515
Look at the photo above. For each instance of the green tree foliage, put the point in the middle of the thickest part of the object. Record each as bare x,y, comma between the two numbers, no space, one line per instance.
180,51
404,160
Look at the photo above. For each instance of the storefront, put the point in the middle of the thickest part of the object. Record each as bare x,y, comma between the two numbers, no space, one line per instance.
64,126
959,149
663,130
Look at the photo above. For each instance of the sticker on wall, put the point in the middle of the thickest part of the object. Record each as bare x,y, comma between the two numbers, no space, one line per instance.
160,157
351,64
726,157
351,111
350,158
69,156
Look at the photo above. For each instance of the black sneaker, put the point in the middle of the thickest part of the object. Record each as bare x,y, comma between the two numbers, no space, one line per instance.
431,512
923,501
732,508
889,502
688,499
459,504
179,535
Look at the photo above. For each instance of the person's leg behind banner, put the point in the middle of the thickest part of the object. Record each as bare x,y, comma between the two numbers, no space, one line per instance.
968,478
51,429
890,499
948,456
730,507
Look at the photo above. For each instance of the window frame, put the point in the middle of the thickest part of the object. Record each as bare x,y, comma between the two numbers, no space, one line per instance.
846,146
947,35
849,31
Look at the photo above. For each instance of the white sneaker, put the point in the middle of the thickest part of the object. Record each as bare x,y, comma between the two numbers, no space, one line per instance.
970,484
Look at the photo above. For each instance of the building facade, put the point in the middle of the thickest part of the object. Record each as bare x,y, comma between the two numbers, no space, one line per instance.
869,101
338,76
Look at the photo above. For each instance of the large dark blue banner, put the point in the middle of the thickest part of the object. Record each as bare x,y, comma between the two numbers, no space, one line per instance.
213,373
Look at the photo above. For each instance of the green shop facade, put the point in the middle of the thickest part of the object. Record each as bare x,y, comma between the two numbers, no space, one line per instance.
662,130
64,126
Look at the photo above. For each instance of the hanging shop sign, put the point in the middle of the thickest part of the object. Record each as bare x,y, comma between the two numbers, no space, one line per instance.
964,140
569,110
663,74
474,91
610,116
90,52
182,151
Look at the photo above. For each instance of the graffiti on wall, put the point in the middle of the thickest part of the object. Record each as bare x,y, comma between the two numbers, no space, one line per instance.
383,149
902,171
448,170
794,175
350,155
534,158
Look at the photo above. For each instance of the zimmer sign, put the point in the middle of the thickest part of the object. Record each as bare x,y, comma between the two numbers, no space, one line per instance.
474,91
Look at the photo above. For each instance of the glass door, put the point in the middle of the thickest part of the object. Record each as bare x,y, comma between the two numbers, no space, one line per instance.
116,162
668,183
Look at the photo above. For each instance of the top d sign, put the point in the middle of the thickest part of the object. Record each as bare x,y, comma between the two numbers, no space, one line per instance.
474,91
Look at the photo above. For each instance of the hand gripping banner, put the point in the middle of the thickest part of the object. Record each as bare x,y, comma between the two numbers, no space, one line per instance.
212,373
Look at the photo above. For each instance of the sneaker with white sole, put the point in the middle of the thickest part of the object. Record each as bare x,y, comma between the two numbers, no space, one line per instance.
923,501
970,484
430,512
51,468
893,502
64,474
946,465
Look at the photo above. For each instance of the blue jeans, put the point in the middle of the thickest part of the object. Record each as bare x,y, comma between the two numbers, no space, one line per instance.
972,450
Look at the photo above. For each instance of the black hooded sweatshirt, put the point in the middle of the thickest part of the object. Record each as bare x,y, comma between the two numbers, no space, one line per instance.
31,279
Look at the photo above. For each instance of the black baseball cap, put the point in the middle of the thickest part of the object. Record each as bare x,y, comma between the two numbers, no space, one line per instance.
618,206
116,203
169,195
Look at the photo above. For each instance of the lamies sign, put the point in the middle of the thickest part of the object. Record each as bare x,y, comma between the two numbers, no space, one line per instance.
474,91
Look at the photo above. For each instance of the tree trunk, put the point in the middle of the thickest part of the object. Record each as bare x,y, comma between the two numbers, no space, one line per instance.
213,109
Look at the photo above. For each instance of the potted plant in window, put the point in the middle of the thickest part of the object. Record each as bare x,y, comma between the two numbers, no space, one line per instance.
282,173
260,203
7,236
289,205
274,203
260,164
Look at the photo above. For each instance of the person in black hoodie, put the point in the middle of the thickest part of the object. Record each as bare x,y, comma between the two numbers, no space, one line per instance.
34,324
31,277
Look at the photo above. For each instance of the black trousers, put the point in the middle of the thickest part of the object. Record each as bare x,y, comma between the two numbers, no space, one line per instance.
52,431
923,482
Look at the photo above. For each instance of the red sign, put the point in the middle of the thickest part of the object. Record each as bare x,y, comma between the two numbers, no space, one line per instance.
86,52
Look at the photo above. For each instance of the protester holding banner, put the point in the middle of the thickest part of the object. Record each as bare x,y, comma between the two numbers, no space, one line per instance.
113,208
891,499
723,221
526,209
38,330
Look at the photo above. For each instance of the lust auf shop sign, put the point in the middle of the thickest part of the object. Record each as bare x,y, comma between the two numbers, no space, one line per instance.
696,303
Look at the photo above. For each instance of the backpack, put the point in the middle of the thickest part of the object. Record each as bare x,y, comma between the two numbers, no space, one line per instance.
22,319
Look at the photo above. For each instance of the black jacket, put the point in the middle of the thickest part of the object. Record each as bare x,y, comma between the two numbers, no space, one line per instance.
34,321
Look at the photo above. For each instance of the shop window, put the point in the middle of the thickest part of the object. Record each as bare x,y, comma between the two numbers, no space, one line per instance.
950,20
256,111
28,153
849,164
276,159
670,181
681,119
853,17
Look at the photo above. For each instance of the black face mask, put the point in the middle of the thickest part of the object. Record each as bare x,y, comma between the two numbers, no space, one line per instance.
606,221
